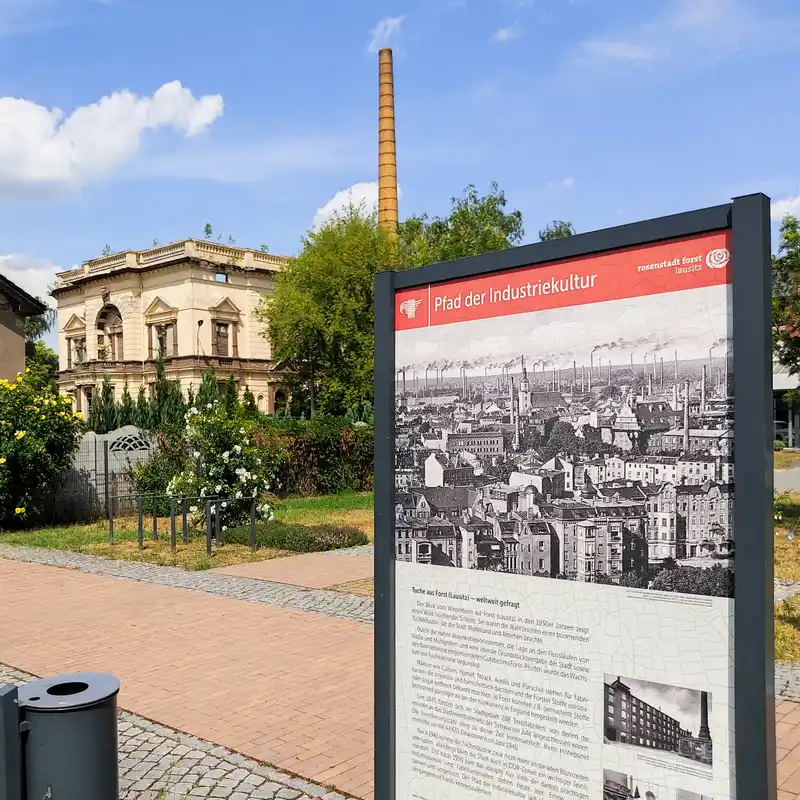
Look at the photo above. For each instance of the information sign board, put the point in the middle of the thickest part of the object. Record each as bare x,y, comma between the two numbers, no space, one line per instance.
573,485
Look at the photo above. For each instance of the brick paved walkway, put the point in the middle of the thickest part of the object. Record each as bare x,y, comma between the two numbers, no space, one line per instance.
310,570
256,674
159,763
289,688
270,593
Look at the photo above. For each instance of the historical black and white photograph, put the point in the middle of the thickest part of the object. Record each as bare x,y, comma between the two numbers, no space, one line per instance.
654,716
590,443
621,786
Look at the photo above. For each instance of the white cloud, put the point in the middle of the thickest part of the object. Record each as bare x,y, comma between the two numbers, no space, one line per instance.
621,51
34,275
692,29
568,182
789,205
384,33
361,195
507,34
44,150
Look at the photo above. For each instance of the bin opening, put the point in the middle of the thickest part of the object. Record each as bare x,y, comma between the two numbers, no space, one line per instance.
65,689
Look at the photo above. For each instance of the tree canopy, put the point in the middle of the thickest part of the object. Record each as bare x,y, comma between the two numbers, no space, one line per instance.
557,229
320,317
785,298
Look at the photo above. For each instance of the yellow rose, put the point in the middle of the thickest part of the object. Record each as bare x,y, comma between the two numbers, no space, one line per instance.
20,510
78,415
2,461
19,435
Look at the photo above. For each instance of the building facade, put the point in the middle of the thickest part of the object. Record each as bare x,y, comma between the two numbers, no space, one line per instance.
191,302
630,720
15,306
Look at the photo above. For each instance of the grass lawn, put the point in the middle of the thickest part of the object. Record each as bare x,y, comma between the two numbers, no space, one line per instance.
353,510
785,459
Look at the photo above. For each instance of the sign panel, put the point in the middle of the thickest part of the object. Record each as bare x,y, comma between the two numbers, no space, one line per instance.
564,526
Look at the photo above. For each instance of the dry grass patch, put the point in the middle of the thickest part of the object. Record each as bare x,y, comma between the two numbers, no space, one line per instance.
786,459
363,588
787,630
351,510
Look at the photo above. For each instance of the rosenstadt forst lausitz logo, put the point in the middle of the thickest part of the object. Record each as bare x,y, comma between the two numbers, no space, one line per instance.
718,258
408,308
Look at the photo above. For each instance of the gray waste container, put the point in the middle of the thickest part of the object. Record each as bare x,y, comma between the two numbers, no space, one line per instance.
70,739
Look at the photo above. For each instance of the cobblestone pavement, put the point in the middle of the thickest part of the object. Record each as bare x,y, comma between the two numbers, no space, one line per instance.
786,589
158,763
322,601
363,550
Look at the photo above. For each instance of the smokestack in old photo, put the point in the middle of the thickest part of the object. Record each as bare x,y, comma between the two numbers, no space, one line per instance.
703,392
686,418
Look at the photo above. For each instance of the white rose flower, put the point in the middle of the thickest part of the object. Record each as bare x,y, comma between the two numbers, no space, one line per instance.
196,454
193,509
224,527
224,505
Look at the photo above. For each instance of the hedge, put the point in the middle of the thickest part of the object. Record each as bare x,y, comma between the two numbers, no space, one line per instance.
298,538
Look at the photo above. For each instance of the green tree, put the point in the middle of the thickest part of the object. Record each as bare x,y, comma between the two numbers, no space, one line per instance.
208,392
40,324
557,229
103,416
168,407
474,226
785,297
249,403
42,362
321,315
127,409
142,410
231,398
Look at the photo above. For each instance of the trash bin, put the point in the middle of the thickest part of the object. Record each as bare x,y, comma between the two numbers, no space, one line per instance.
69,726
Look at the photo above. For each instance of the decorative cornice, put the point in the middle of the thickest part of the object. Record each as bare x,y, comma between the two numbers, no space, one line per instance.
214,253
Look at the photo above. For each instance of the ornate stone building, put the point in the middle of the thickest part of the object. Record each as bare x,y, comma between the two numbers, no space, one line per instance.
190,301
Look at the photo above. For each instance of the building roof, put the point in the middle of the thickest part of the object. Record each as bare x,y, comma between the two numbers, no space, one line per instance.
226,256
23,304
547,400
656,415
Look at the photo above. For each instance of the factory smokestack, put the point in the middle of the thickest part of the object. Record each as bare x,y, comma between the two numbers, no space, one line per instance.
686,418
387,148
404,383
703,392
609,372
591,367
662,374
574,375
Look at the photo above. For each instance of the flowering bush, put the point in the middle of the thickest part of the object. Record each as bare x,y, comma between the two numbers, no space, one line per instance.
226,467
39,434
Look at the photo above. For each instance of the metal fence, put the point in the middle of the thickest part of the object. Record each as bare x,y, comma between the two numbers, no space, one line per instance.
100,472
148,507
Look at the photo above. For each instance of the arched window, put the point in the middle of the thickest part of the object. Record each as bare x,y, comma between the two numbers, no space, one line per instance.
280,401
260,402
109,334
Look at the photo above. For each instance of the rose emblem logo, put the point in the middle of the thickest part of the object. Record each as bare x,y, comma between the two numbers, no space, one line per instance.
718,258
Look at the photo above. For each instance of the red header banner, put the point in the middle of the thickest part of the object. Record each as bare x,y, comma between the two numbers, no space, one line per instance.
696,262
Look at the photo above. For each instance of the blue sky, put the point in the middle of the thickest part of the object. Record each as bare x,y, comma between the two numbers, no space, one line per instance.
596,111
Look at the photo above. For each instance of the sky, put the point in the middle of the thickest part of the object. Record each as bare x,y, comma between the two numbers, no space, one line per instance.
642,327
128,121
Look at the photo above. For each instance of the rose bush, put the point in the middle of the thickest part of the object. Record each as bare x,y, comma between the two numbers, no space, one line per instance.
226,466
39,434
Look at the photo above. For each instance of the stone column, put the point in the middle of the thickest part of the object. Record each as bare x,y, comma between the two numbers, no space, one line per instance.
175,338
235,340
704,733
149,341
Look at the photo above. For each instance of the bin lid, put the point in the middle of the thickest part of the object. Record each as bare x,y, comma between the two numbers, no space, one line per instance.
68,692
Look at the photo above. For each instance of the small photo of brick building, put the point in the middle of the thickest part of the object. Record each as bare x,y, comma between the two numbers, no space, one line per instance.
658,717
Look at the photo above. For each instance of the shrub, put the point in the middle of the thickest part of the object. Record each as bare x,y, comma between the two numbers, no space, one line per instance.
716,581
298,538
225,463
778,445
39,434
323,455
153,476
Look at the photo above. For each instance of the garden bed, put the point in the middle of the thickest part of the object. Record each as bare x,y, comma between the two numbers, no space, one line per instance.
300,526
